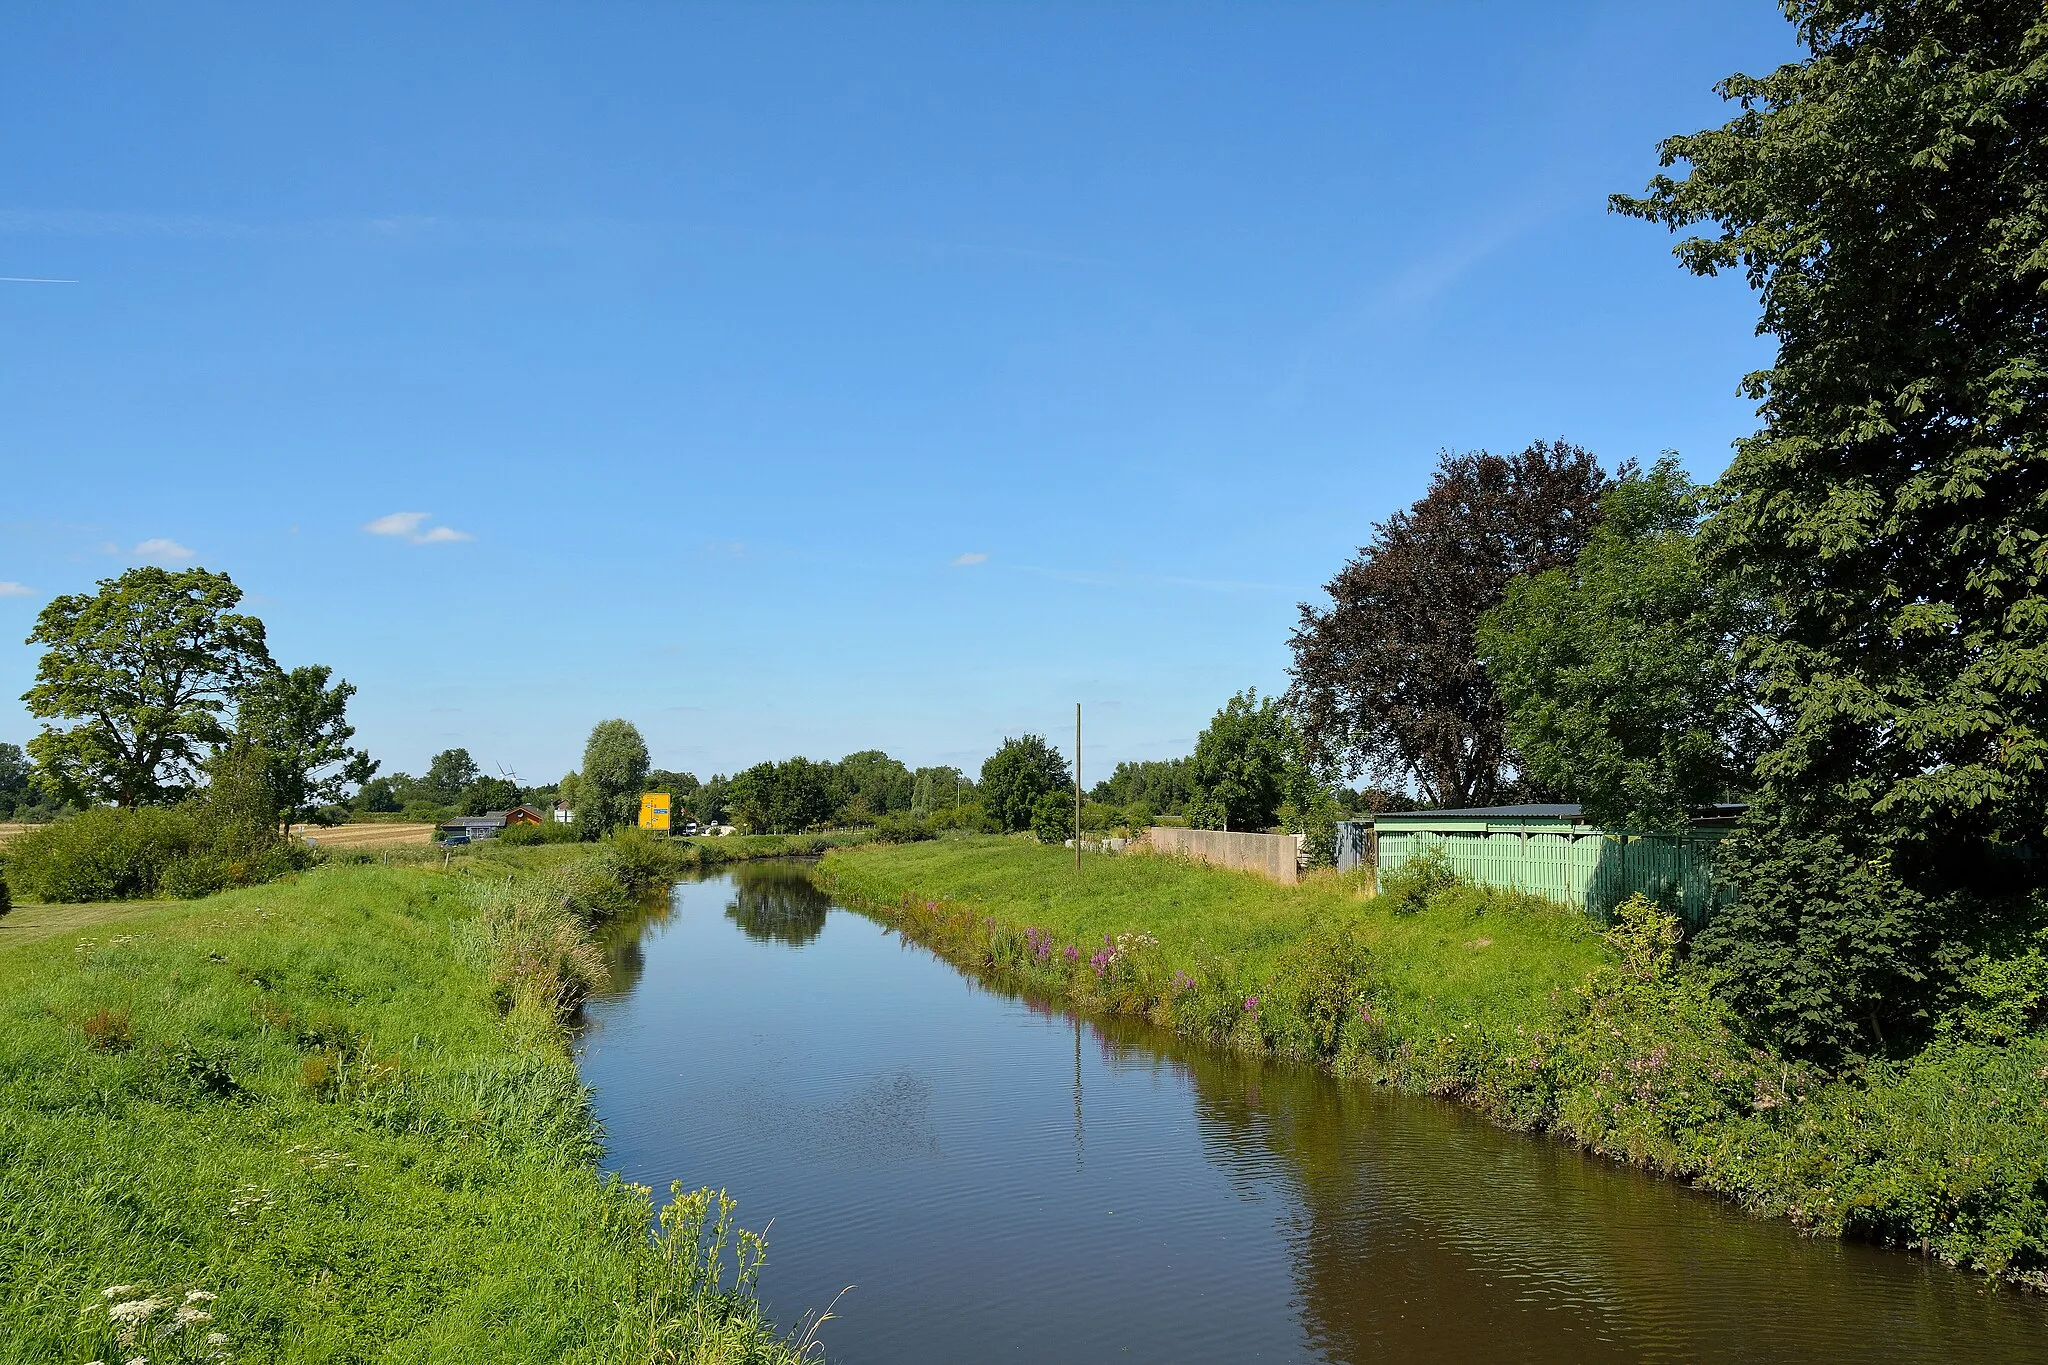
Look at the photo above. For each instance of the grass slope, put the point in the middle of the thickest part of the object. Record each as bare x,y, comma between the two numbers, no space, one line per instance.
1528,1012
308,1100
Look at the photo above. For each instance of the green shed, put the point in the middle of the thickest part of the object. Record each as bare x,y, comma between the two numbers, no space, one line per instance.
1554,851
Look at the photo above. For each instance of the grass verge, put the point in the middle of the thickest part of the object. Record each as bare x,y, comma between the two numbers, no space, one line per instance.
1525,1010
335,1118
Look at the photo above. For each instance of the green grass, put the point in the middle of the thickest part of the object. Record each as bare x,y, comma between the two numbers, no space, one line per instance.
309,1099
1448,965
1528,1012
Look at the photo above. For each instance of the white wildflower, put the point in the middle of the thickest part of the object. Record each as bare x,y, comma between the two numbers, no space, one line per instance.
188,1316
135,1310
216,1338
199,1296
119,1291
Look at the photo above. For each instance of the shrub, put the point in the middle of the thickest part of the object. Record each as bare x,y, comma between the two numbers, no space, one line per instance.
1052,817
6,897
1320,984
1416,882
102,854
526,836
108,1030
1835,945
901,828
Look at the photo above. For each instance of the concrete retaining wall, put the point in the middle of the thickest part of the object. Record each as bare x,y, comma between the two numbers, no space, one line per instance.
1276,857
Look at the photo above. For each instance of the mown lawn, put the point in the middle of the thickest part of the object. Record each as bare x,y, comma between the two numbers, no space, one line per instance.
303,1100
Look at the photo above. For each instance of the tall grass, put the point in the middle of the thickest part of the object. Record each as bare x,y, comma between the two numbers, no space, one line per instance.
340,1110
1528,1011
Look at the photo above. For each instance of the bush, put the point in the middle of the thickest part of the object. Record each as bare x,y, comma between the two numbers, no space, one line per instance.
1052,817
1415,883
526,836
1834,945
6,897
102,854
901,828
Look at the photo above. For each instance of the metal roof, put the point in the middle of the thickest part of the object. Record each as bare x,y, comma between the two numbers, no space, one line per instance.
1561,810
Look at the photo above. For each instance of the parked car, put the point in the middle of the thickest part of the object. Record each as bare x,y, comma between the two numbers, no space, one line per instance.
455,839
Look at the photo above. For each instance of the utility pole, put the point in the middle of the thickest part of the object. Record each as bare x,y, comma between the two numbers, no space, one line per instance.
1077,789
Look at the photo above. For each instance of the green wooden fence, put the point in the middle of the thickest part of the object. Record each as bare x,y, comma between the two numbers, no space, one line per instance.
1562,859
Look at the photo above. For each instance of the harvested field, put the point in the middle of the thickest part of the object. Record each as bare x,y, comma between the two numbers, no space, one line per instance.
381,835
10,828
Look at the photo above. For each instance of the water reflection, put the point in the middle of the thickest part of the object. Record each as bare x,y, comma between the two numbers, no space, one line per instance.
1001,1177
777,902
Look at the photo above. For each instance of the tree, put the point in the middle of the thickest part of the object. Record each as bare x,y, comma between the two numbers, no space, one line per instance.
449,774
781,798
608,791
878,782
494,793
145,668
1886,198
1387,678
380,794
1016,775
1159,785
300,724
1619,672
937,788
1240,768
17,781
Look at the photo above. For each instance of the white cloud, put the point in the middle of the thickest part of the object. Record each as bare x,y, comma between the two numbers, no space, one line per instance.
16,590
396,524
971,557
160,548
409,524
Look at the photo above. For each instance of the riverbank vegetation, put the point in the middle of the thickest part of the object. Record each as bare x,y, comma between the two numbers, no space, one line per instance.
1606,1036
335,1117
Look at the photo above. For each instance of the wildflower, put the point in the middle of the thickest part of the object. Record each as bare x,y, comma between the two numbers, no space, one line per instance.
216,1338
1251,1003
199,1296
1073,953
189,1316
135,1310
119,1291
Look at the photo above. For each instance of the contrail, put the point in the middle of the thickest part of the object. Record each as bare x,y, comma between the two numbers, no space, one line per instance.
31,279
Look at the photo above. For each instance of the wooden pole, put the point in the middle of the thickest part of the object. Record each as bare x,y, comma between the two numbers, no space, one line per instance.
1077,788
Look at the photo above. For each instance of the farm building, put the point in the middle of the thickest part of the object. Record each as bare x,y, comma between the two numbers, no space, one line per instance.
1550,850
488,825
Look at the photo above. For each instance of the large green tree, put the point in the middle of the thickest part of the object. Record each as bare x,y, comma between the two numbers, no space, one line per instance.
1619,671
138,680
1888,198
781,798
1387,678
449,773
1240,770
608,789
1016,775
300,723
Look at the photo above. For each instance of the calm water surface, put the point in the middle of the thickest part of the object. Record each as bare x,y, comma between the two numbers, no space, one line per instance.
998,1179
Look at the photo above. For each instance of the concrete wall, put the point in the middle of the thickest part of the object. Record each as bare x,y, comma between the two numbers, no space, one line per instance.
1276,857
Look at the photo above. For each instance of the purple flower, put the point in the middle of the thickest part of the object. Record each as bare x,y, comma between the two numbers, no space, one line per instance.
1073,953
1183,982
1251,1002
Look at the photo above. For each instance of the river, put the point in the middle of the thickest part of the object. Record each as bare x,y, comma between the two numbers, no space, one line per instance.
998,1179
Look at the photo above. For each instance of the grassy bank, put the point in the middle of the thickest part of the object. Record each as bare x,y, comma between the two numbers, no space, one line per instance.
1526,1011
335,1118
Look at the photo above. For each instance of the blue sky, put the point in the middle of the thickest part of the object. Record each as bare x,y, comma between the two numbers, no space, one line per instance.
796,379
